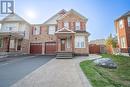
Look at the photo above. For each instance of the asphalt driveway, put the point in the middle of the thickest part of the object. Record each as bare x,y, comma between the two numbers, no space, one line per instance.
13,70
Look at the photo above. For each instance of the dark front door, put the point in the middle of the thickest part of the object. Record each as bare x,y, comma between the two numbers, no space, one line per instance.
62,44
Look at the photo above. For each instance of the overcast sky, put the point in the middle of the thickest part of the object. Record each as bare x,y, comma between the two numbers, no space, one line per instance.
100,13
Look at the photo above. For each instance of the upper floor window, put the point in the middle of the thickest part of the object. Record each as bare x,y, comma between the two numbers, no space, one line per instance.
77,25
36,30
66,24
1,42
121,23
128,21
51,29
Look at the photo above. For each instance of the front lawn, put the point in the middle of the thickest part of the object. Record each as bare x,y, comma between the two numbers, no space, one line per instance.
103,77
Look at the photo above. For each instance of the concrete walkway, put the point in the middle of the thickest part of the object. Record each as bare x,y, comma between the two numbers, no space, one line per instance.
57,73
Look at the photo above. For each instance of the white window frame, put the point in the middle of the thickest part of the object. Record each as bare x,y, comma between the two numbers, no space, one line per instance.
77,25
36,30
1,42
80,42
68,42
123,42
51,29
128,19
66,24
12,44
121,23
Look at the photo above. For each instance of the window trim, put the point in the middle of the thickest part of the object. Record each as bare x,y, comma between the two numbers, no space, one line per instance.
128,20
121,23
66,23
54,27
77,24
36,29
123,42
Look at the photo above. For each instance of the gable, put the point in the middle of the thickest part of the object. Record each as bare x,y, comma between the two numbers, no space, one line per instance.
53,19
72,15
13,17
65,30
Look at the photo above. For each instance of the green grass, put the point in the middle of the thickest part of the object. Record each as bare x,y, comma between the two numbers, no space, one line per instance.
103,77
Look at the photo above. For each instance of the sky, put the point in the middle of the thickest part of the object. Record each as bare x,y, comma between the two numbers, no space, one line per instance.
100,13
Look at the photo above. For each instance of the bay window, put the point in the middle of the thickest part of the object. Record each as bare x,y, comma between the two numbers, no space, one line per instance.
80,42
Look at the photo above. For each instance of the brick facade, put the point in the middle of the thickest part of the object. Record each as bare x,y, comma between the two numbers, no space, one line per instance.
123,32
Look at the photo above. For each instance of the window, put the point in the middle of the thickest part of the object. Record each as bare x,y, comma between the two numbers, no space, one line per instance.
12,44
80,42
128,21
68,42
1,42
11,27
77,25
123,42
36,30
66,24
52,30
121,24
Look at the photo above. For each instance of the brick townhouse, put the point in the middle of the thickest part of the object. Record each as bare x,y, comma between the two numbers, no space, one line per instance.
65,32
122,25
14,34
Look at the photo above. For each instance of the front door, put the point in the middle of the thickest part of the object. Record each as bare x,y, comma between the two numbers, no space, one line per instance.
62,44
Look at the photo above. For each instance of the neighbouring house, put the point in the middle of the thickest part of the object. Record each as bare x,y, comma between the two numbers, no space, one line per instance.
14,34
97,46
65,32
122,25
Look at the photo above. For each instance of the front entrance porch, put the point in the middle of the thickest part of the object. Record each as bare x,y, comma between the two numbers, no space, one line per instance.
10,42
65,43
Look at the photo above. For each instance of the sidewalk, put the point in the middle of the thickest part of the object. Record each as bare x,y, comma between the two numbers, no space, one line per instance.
57,73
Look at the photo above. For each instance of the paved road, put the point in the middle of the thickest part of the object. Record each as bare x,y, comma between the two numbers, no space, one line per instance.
17,68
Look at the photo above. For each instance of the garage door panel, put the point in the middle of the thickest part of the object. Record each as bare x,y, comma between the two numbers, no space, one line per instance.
50,47
36,48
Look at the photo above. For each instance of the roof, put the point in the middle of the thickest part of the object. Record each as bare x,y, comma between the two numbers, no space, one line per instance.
124,15
53,19
13,17
61,14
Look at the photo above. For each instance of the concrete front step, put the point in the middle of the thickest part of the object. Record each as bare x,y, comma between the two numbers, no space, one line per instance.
64,55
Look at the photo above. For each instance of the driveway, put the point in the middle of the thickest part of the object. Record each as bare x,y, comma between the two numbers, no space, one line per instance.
57,73
15,69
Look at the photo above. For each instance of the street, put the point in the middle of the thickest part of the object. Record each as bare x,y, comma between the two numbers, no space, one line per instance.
13,70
